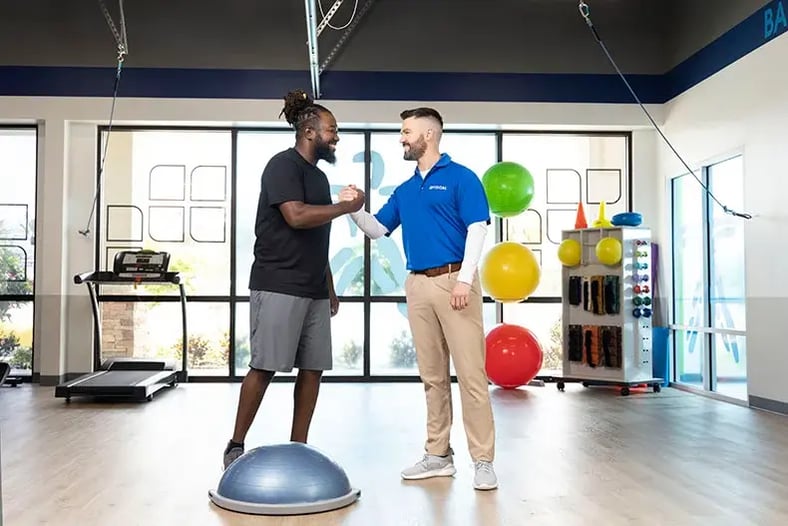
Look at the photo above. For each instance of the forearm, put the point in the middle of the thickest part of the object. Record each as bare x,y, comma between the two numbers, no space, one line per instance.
369,224
474,243
300,215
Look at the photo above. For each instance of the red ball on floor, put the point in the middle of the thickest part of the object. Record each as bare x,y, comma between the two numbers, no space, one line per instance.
514,356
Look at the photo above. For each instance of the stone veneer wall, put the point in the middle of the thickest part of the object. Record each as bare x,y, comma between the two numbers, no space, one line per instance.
117,326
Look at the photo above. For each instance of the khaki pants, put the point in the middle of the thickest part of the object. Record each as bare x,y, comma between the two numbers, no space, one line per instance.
438,331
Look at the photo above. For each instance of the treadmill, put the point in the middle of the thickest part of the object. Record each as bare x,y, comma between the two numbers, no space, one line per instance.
135,379
5,376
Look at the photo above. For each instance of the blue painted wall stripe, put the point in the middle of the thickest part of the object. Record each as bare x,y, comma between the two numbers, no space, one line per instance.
759,28
488,87
342,85
65,81
742,39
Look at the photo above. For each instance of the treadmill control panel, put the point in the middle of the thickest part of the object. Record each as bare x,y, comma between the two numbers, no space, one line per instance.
141,264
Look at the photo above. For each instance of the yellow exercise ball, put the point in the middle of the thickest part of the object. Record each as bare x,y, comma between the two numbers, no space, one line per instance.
608,251
569,252
510,272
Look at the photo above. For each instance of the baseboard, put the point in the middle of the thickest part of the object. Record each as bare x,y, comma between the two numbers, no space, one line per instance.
59,379
709,394
767,404
47,380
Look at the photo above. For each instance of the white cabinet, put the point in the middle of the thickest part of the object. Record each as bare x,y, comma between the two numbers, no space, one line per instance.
607,312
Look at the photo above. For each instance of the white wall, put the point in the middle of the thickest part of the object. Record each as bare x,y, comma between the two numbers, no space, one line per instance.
67,171
265,112
646,200
745,107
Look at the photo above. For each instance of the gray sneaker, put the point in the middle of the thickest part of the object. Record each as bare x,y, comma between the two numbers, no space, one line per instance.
485,476
430,466
231,454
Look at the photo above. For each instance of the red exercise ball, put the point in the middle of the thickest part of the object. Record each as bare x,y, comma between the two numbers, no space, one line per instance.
514,356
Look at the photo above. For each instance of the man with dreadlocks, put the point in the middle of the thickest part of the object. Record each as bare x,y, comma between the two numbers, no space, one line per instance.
292,295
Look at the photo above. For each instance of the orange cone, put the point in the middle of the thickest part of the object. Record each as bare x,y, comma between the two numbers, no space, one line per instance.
580,220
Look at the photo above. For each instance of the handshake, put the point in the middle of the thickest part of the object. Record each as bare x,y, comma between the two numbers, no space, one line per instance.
351,199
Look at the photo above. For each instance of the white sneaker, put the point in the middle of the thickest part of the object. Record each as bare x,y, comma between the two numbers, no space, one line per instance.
430,466
485,476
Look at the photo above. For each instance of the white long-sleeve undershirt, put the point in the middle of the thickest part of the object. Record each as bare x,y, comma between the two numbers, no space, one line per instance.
474,242
369,224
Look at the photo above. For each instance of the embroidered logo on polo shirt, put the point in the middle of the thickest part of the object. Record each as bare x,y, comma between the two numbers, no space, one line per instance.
437,187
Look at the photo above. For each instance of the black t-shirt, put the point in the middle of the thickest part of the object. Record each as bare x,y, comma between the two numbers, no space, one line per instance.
289,260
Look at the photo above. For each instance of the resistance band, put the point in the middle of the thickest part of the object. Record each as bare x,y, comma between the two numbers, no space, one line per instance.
585,12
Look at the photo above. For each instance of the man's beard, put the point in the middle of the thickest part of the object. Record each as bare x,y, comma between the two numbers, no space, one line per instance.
326,153
416,150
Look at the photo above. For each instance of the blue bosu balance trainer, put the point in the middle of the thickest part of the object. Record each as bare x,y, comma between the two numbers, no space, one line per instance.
284,479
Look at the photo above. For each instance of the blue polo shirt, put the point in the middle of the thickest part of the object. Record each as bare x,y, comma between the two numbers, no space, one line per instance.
435,212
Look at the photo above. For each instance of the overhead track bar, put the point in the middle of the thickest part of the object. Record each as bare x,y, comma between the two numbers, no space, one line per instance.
343,39
328,16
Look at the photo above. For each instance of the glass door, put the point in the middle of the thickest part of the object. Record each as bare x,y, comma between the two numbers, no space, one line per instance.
709,331
689,293
728,356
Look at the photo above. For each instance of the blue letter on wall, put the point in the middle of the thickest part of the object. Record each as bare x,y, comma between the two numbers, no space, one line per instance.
774,21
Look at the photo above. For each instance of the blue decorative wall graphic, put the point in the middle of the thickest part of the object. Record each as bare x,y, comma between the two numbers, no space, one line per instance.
388,271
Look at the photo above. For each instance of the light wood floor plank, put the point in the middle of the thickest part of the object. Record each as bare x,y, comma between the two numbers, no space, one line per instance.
582,457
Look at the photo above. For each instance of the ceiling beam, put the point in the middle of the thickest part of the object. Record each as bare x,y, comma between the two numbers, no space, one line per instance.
311,32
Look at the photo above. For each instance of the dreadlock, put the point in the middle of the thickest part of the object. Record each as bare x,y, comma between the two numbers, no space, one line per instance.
301,111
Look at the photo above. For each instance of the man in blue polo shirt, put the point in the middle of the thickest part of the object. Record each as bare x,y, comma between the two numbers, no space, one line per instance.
444,215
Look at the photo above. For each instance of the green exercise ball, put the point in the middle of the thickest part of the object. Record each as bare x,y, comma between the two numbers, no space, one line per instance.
509,187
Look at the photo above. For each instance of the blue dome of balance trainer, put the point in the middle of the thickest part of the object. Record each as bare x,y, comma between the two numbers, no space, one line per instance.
284,479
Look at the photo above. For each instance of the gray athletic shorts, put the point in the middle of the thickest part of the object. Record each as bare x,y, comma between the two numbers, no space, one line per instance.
289,331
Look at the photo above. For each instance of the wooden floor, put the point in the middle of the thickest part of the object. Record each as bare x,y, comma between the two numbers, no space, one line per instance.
582,457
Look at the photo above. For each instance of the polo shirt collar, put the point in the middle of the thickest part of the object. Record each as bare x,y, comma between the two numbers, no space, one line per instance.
443,160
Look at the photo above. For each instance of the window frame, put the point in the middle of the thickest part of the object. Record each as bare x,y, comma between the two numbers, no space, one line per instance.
31,297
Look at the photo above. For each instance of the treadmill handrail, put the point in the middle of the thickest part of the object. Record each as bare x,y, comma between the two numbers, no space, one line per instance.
108,277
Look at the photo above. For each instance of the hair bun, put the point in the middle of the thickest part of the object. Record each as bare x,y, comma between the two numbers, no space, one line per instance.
295,102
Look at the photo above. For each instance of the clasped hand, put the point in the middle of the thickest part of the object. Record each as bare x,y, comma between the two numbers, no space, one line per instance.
353,196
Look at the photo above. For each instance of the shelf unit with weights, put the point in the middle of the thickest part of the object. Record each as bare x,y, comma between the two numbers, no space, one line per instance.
607,337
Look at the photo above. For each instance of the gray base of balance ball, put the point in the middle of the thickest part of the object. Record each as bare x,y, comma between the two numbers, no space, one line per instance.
284,479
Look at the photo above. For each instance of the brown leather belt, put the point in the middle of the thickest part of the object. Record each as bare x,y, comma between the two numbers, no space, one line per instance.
439,271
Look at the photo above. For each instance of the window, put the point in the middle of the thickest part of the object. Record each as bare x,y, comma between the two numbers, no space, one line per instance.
169,190
18,158
709,280
194,194
567,169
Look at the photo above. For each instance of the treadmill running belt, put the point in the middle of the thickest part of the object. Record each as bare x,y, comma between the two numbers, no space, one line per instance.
119,378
